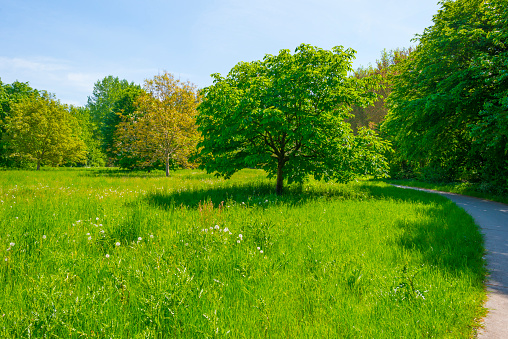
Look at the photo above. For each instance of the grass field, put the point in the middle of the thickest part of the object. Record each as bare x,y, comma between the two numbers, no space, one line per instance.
110,254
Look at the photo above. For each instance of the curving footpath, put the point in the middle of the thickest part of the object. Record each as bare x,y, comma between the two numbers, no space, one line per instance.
492,217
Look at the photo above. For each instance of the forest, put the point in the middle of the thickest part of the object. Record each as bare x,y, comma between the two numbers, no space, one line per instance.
435,112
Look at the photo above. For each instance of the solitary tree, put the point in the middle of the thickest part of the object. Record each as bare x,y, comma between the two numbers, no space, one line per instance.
286,114
41,129
163,128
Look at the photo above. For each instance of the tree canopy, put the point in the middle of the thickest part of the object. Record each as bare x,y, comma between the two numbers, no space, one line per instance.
162,129
286,114
448,107
104,105
42,130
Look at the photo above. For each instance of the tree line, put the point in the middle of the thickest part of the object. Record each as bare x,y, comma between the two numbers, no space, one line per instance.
437,111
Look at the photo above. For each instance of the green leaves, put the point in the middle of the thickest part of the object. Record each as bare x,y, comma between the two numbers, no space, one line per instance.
285,114
42,130
446,104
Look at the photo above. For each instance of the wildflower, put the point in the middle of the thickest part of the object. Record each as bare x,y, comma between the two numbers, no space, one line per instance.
12,244
44,236
238,241
139,239
97,218
151,236
117,243
259,248
89,238
226,230
88,234
216,227
261,251
107,255
240,236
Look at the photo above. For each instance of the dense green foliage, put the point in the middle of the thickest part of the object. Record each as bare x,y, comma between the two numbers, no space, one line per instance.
286,114
372,116
40,129
448,108
110,96
117,254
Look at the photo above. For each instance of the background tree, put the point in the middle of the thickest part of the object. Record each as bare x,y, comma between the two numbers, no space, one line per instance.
372,116
41,129
448,107
101,106
162,129
286,114
11,94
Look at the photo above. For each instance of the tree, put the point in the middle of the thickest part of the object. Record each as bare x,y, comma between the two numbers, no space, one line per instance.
448,107
285,114
162,129
41,129
372,116
10,94
101,104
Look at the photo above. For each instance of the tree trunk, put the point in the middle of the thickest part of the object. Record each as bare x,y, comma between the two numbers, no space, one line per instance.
38,165
280,177
167,166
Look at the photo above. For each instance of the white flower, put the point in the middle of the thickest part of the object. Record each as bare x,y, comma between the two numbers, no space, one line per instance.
238,241
226,229
107,255
117,244
97,218
44,236
240,236
88,234
12,244
90,238
216,227
261,251
259,248
151,236
139,239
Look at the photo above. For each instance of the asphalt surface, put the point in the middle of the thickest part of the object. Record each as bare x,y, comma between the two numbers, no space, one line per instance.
492,217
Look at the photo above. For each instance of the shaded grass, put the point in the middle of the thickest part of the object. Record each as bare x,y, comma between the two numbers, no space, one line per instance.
196,256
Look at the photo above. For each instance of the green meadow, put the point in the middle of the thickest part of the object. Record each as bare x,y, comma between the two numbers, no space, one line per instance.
89,253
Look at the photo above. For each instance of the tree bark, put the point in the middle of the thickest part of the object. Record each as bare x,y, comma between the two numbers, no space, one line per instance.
167,166
38,165
280,177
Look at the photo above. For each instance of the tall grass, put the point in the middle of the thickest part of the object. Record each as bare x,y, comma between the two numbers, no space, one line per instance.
131,255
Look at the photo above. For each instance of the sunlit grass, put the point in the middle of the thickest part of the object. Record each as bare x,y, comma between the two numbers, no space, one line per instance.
124,254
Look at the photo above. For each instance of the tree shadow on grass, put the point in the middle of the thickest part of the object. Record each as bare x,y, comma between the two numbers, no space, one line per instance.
254,193
445,235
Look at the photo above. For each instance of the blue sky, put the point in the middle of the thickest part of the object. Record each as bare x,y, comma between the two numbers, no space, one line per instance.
65,46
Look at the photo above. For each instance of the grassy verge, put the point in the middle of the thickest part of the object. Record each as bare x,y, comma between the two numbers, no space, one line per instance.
100,254
459,188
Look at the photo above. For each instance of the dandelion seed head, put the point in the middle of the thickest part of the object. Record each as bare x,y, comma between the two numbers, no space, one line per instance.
44,236
117,243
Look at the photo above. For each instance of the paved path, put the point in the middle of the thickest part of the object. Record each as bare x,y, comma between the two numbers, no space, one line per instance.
492,217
